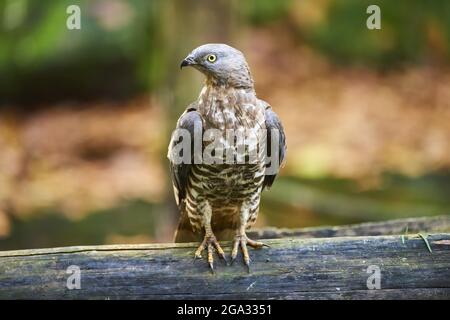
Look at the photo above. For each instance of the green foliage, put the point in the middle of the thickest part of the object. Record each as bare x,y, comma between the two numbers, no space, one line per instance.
37,51
121,50
263,11
411,32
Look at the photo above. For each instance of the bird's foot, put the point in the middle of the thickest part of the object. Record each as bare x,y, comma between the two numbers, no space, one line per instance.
242,241
210,243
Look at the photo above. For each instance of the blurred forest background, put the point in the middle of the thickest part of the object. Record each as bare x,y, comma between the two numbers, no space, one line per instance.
86,115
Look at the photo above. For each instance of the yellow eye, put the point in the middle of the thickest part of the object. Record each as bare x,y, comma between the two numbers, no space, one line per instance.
211,58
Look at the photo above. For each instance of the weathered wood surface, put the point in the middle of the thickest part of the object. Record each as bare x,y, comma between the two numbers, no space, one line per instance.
292,268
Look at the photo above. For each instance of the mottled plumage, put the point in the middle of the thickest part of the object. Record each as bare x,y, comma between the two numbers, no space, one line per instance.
220,201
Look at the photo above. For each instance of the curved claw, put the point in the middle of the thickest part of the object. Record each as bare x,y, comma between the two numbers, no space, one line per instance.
242,241
225,260
244,250
220,251
196,258
210,244
256,244
234,251
210,256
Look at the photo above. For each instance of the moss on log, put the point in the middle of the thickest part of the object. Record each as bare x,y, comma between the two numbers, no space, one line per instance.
292,268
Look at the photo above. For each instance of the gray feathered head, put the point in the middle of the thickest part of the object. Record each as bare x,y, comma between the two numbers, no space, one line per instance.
222,65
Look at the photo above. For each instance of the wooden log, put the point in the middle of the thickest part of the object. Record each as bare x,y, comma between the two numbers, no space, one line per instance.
292,268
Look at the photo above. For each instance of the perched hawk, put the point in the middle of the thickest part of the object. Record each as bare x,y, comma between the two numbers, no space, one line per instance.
220,200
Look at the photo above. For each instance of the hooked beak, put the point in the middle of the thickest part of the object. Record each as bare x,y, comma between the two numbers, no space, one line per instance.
188,61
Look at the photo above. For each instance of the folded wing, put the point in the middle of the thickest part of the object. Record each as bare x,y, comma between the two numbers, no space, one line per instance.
191,123
274,128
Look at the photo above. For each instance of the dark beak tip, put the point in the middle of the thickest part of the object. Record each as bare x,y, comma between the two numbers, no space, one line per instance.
184,63
188,61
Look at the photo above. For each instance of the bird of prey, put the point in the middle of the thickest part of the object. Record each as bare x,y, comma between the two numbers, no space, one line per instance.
220,201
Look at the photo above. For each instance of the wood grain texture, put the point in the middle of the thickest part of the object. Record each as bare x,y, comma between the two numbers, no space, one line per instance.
292,268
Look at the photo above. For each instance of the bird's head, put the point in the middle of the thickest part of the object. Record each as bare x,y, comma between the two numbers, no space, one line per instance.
221,64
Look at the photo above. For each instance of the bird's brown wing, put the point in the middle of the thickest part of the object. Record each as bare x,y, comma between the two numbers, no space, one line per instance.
192,123
274,123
